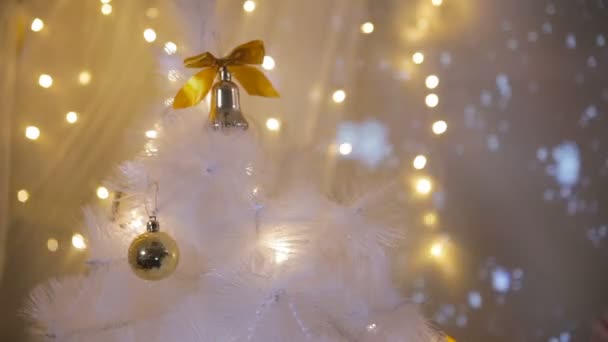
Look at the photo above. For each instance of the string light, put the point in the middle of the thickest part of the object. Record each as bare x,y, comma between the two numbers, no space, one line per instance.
103,192
170,48
71,117
424,186
268,63
437,249
45,81
418,58
431,81
437,2
367,27
84,77
273,124
32,132
52,244
151,134
431,100
78,241
439,127
149,35
339,96
419,162
106,9
23,195
37,25
249,6
345,149
430,219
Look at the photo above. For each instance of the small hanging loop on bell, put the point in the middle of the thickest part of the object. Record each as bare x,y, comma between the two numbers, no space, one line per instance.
225,111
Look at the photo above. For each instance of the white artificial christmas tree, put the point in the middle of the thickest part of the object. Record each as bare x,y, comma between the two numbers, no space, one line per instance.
255,264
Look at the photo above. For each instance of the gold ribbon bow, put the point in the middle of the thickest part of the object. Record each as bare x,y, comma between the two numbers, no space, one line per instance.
238,63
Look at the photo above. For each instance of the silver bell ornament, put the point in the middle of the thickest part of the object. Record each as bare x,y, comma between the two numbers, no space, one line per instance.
153,255
225,110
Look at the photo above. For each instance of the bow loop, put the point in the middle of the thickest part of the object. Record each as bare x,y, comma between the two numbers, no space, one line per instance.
239,62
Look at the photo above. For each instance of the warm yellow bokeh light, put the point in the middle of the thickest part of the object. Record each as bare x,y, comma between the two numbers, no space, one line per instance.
367,27
71,117
105,1
273,124
345,149
23,195
339,96
84,77
437,249
249,6
268,63
52,244
45,81
149,35
430,219
437,2
424,186
151,134
431,81
170,48
103,192
439,127
418,57
431,100
419,162
32,132
78,241
37,25
106,9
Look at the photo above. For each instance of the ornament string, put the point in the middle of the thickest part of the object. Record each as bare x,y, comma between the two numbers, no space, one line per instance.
155,210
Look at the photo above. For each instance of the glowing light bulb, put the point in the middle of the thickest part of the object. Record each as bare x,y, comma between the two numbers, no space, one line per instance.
437,2
52,244
345,149
431,81
106,9
437,249
71,117
430,219
45,81
418,57
103,192
424,186
78,241
149,35
268,63
23,195
37,25
151,134
170,48
32,132
439,127
339,96
419,162
84,77
273,124
431,100
367,27
249,6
